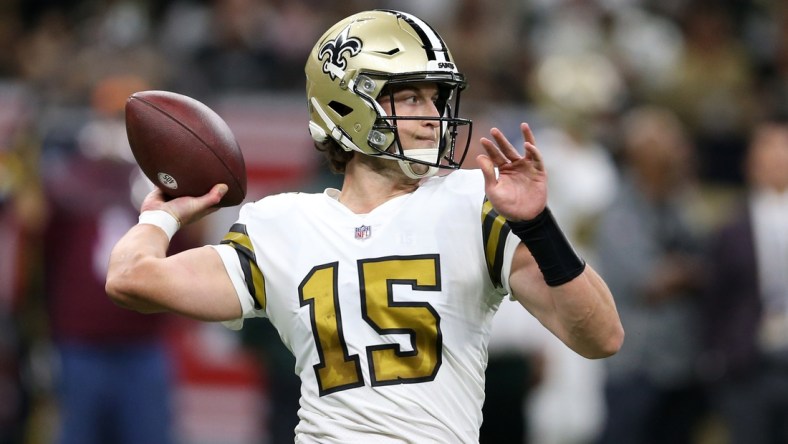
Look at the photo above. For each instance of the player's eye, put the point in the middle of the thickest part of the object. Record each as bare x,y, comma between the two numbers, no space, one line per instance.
407,97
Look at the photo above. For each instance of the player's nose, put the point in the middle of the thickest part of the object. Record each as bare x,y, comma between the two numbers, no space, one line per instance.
431,111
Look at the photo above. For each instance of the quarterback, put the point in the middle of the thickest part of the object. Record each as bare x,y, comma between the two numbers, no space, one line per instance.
385,290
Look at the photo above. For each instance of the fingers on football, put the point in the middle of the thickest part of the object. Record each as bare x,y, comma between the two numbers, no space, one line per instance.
220,188
153,200
215,194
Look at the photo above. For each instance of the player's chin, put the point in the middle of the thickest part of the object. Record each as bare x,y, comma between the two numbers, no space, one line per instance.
419,168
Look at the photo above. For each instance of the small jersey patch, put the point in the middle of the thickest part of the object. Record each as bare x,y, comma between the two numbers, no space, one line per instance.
363,232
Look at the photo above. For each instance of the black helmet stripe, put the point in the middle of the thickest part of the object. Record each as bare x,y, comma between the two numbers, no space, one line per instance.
430,40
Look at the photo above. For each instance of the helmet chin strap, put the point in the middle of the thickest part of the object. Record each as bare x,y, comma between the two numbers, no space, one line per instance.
427,155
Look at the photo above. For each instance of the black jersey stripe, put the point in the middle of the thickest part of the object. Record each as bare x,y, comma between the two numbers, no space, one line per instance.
494,234
239,239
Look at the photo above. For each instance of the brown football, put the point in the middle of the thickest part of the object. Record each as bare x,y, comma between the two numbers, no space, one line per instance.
183,146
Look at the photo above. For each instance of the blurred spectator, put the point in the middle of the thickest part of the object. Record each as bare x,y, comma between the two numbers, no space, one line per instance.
63,57
240,46
576,89
115,38
11,30
746,302
770,32
514,368
712,89
43,55
585,178
491,57
648,249
20,216
235,55
566,408
644,45
563,400
555,396
114,374
284,388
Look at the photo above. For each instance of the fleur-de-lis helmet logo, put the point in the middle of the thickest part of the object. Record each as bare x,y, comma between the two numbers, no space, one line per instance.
337,50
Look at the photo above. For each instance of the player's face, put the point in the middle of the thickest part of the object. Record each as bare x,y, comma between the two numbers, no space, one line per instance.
416,99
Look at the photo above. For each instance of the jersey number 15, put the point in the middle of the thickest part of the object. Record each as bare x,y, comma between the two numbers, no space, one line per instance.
388,364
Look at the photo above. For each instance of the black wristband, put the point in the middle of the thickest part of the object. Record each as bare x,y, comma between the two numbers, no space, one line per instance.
552,251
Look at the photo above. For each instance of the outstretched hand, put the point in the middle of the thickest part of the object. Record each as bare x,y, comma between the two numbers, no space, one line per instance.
519,191
185,209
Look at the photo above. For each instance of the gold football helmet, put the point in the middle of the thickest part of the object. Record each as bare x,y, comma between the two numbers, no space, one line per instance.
371,52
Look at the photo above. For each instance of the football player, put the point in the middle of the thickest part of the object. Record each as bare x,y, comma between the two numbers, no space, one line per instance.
385,290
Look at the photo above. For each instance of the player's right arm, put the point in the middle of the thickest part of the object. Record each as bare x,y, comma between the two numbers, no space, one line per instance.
193,283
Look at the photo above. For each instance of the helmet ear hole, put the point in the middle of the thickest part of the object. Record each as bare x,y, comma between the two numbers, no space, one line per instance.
340,108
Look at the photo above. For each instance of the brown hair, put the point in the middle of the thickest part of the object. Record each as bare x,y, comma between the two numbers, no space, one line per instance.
337,157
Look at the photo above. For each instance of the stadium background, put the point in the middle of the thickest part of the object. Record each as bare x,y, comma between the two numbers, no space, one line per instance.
572,66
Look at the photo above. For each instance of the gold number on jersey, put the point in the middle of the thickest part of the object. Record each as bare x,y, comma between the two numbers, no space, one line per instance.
378,280
389,365
337,370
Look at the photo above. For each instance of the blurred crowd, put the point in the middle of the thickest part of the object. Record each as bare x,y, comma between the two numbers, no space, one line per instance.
664,124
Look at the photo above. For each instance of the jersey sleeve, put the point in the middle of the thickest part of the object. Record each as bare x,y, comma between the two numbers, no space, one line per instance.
237,254
510,246
499,247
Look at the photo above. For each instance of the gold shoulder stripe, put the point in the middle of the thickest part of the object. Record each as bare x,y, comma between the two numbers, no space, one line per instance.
238,238
494,233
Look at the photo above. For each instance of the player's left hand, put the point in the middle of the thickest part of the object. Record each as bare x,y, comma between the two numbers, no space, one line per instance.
519,192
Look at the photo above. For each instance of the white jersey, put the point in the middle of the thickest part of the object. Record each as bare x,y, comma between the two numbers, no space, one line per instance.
388,314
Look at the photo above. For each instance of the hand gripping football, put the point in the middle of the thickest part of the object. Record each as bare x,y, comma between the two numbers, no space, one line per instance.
183,146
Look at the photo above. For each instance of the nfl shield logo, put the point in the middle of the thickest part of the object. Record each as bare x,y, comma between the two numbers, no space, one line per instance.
363,232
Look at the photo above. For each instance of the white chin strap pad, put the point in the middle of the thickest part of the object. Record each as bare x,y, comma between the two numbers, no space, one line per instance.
427,155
